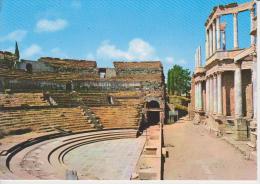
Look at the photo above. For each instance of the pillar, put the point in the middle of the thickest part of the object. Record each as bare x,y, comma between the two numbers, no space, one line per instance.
199,56
224,40
207,94
196,101
252,15
214,36
210,41
235,30
207,44
211,95
238,90
218,32
195,58
254,82
240,122
200,96
219,93
215,94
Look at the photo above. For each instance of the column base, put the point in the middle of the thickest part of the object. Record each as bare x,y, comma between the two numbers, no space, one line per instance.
241,129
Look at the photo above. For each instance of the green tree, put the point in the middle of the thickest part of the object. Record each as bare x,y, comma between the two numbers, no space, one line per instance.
179,80
17,53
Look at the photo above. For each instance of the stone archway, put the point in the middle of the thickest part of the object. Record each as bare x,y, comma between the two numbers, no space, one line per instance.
29,67
153,112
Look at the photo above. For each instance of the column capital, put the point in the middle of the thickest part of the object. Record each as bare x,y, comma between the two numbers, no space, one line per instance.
219,72
235,13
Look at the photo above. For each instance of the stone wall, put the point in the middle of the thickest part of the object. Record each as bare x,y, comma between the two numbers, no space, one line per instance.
36,66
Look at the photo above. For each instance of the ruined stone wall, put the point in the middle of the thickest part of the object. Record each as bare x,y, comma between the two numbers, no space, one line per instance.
110,72
106,85
36,66
31,85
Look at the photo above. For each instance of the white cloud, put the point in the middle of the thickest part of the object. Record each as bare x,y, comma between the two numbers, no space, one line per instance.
76,4
33,50
138,49
16,35
45,25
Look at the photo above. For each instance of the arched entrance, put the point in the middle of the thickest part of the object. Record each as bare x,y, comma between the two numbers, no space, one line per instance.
29,67
153,112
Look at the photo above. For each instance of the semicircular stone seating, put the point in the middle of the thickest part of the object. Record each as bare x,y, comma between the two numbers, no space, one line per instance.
45,159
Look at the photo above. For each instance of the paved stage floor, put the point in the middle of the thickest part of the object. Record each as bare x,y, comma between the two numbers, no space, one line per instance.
113,159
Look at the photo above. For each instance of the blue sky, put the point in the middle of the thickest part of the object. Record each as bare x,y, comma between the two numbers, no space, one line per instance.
110,30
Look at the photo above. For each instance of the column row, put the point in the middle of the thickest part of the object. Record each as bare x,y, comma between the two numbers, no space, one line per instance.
198,96
213,34
214,94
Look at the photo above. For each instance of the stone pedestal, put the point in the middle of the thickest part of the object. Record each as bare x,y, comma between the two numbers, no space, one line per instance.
241,129
253,134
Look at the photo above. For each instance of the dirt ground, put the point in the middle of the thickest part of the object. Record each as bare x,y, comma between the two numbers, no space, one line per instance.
194,154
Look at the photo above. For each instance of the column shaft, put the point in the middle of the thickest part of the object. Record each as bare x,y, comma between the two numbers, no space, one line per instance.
206,95
210,41
235,30
214,36
207,44
211,95
252,15
196,101
254,82
218,32
224,40
200,96
219,81
238,91
215,94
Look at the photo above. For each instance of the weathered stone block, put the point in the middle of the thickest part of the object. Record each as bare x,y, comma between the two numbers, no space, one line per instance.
241,124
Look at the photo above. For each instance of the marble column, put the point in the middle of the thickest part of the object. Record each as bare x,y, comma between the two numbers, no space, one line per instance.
252,15
210,41
207,94
207,44
254,82
215,94
235,30
218,32
200,96
219,93
238,90
223,40
214,36
199,56
196,100
211,95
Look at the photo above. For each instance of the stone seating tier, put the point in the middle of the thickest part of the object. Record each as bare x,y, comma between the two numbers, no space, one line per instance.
20,99
126,115
42,120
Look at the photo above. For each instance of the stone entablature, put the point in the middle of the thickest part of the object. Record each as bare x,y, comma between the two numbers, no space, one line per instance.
222,55
232,8
228,66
